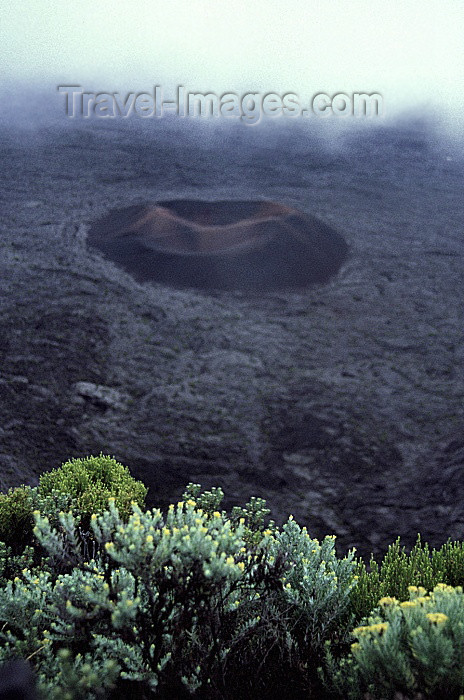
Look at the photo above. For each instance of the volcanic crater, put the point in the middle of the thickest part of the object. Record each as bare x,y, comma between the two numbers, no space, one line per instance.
250,245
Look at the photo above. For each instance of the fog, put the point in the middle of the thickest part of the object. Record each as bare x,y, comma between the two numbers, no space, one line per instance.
410,52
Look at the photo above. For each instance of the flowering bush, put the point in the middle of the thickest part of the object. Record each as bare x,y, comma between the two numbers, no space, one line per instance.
165,599
410,647
80,485
399,570
317,585
106,599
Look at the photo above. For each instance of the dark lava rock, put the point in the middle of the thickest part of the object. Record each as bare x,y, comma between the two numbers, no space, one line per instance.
220,245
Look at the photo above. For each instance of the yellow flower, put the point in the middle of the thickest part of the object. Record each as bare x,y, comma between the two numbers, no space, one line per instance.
419,590
192,503
355,646
230,561
109,545
437,618
267,532
148,539
379,629
241,565
388,600
408,604
216,514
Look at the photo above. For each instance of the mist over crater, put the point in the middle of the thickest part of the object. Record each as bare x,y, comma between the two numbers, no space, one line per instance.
228,244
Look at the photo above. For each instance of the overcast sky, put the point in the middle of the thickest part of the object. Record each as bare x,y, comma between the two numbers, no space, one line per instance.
411,51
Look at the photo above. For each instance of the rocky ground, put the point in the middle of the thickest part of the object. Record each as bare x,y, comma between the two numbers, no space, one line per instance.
342,403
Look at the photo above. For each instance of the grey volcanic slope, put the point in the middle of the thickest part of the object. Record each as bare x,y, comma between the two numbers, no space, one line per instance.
342,403
232,244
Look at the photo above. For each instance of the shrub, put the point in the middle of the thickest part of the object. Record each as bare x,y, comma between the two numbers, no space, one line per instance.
408,647
178,602
16,521
317,586
399,570
12,564
166,598
254,516
81,485
199,603
89,482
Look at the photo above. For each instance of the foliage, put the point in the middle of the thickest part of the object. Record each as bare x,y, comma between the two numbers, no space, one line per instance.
89,482
16,521
399,570
208,501
317,585
254,516
410,647
108,600
82,486
178,602
159,599
12,564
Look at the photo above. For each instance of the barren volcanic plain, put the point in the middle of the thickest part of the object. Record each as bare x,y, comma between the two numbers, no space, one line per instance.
341,402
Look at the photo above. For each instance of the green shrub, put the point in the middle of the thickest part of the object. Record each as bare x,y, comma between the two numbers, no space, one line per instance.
399,570
200,603
12,564
79,678
89,482
208,501
409,647
254,516
16,521
166,598
81,485
178,602
317,586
